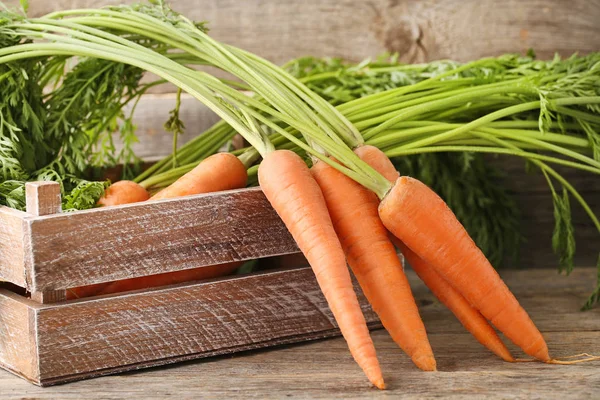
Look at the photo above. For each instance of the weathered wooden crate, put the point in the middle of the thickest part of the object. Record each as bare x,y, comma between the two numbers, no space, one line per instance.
48,340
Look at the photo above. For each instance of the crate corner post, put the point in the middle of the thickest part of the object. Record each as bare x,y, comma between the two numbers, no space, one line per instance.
44,198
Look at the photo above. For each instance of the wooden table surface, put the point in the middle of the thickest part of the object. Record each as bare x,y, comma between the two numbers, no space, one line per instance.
324,369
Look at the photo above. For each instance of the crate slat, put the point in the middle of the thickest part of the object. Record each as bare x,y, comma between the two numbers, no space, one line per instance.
43,198
87,338
107,244
12,249
17,341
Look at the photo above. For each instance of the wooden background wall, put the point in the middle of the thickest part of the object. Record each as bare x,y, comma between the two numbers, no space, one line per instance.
420,30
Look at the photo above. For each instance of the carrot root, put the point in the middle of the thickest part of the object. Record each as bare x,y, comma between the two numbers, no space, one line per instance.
374,261
221,171
292,191
123,192
421,219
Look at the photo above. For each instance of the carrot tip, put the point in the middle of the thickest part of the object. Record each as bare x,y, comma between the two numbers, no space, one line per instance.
425,362
379,384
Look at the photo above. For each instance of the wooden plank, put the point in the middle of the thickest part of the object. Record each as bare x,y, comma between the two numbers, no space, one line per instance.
43,198
419,30
17,349
108,244
12,254
324,369
162,326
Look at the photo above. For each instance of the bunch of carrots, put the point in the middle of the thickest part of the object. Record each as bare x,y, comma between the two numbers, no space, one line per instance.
350,207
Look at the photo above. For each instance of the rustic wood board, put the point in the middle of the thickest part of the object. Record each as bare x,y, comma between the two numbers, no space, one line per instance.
324,369
12,253
419,30
16,336
107,334
107,244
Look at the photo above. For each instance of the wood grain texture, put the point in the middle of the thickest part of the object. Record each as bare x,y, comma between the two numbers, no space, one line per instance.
43,198
17,339
419,30
324,369
108,244
12,253
95,337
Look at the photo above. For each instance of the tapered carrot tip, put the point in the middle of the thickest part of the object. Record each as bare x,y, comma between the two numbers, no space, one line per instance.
123,192
542,354
502,352
425,362
379,383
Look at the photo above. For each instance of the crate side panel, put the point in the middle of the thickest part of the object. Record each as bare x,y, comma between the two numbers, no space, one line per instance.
12,264
191,320
17,352
102,245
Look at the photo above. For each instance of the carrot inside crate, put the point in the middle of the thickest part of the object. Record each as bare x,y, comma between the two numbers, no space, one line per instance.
189,275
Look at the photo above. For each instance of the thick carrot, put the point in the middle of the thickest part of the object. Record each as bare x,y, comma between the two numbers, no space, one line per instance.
374,261
295,195
468,316
123,192
471,318
221,171
417,216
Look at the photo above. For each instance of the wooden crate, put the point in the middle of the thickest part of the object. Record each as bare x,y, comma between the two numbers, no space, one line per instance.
48,340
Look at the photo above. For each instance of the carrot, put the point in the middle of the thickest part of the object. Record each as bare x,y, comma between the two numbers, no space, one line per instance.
145,282
469,317
374,261
85,291
420,218
221,171
378,161
417,216
123,192
292,191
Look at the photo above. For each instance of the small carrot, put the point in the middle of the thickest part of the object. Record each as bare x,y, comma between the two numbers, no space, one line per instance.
470,318
417,216
374,261
221,171
292,191
123,192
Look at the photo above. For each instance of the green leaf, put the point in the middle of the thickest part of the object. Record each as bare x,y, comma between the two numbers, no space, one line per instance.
24,5
595,296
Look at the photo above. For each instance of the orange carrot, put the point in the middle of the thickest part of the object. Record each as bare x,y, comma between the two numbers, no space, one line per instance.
374,261
145,282
471,318
123,192
417,216
378,161
295,195
420,218
468,316
221,171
